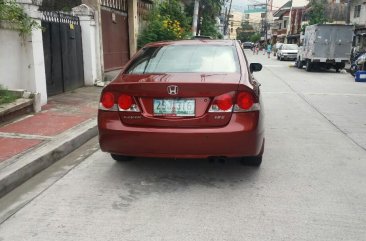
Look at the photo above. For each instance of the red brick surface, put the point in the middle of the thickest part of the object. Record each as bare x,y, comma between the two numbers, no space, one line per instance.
12,146
45,124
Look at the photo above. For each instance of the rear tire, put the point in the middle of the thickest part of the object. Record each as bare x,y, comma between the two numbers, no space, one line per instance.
299,64
308,66
120,158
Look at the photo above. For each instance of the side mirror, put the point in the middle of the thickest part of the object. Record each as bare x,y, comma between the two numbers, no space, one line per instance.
255,67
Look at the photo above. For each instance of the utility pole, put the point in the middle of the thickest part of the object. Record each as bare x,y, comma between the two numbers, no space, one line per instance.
195,17
227,18
265,22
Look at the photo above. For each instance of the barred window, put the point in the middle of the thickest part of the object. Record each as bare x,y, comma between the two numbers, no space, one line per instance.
357,11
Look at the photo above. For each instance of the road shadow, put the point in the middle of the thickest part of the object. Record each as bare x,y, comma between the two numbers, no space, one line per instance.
142,177
185,172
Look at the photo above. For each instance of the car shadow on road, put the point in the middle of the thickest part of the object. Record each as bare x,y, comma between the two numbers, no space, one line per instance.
185,172
142,177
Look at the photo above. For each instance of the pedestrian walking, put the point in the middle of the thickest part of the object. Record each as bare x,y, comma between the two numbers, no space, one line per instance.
269,50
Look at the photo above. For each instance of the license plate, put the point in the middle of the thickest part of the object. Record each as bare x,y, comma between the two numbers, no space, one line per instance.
174,107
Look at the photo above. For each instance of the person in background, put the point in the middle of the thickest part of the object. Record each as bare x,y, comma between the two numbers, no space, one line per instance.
269,49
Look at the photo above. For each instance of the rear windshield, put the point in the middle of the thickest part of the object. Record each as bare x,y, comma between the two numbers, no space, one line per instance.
290,47
186,59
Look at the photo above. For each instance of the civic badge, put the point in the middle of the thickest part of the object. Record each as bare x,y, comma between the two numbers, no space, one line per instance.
172,90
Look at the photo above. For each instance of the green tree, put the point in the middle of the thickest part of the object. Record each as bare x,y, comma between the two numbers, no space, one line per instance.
208,12
255,37
245,32
316,13
166,21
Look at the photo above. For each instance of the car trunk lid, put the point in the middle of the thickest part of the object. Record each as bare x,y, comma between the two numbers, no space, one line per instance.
154,91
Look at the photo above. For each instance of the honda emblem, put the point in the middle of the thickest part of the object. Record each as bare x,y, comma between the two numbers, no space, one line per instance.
172,89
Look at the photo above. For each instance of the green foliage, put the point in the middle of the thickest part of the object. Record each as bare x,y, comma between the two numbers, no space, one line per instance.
11,12
209,10
316,12
255,37
245,32
166,21
6,96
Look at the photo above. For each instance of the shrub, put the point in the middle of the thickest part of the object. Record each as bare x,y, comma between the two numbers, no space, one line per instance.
166,21
11,12
6,96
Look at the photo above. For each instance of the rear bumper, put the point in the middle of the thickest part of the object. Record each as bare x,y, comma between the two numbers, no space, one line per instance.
289,56
243,136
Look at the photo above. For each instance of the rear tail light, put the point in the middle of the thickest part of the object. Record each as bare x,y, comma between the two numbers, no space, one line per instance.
222,103
107,101
125,102
245,101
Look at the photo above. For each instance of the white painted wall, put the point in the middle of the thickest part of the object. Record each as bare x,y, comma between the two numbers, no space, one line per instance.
22,59
362,19
90,42
22,62
12,54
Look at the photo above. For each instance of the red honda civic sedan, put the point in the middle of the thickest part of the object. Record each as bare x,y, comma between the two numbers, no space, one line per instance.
184,99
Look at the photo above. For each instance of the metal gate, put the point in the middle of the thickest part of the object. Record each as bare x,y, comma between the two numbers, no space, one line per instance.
115,33
63,53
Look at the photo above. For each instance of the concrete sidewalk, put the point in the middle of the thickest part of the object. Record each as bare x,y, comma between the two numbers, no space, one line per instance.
32,143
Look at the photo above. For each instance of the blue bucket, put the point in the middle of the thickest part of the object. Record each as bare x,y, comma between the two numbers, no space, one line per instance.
360,76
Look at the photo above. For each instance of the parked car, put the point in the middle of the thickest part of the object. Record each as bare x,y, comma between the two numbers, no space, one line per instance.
276,47
184,99
287,51
248,45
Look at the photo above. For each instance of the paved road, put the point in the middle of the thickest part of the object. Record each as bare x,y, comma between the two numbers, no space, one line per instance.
311,185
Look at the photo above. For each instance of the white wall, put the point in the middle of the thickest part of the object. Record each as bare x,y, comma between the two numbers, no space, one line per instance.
21,58
362,19
22,62
90,42
12,60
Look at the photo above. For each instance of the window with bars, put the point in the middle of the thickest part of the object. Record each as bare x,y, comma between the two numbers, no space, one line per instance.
357,11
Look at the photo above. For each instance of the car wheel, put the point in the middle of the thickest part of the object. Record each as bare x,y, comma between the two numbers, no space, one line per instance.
308,66
281,59
254,161
120,158
278,57
299,64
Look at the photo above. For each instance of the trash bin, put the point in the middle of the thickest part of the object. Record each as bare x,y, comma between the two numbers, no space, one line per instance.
360,76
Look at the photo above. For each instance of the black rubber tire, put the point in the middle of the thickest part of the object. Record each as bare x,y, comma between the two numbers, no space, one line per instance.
281,59
120,158
278,57
308,66
254,161
299,64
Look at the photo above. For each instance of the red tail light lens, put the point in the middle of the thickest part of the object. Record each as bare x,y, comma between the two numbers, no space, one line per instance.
107,100
224,102
125,102
245,100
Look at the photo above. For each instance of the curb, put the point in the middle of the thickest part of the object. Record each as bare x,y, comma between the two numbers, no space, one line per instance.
28,165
